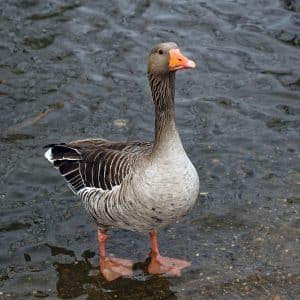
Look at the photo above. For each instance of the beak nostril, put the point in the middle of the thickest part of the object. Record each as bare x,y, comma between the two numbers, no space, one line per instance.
177,61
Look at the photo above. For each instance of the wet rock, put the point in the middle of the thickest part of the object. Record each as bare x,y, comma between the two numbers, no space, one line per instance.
39,42
295,83
21,68
288,37
58,105
293,200
276,123
14,226
39,294
62,55
292,5
27,257
286,108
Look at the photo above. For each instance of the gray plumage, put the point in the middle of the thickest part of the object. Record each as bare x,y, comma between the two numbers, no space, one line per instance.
134,185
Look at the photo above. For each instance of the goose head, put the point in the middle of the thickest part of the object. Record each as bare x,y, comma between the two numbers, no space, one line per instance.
166,58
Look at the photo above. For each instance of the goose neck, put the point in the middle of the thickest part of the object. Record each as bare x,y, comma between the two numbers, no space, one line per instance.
163,94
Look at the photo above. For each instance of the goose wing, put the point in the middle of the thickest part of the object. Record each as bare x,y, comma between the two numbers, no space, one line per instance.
95,163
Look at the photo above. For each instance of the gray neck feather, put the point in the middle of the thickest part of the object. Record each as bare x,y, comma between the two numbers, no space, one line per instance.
163,93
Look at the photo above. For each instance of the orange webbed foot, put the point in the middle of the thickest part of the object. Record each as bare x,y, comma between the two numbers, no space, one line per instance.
166,265
113,268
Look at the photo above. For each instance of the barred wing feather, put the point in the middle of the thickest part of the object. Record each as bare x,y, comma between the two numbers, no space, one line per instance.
95,163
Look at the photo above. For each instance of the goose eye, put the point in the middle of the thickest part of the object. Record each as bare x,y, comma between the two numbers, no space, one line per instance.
160,51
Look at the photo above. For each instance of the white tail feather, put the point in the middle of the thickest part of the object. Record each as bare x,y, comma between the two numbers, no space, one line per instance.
48,155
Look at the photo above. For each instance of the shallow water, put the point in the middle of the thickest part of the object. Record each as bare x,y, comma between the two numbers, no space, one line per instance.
76,69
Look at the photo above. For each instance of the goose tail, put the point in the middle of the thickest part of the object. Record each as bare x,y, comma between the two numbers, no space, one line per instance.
67,160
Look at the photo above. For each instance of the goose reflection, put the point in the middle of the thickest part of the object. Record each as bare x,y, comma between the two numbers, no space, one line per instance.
80,277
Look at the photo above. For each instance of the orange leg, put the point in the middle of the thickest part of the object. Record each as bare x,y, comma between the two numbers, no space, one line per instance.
110,267
164,265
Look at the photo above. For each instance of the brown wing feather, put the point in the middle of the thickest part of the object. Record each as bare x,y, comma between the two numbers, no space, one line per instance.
96,163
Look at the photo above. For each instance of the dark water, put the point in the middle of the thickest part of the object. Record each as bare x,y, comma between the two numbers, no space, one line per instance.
76,69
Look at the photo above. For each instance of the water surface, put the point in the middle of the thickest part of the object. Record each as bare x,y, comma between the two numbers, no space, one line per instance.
77,69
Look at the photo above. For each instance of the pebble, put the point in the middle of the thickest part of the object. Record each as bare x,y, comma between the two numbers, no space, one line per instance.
121,123
39,294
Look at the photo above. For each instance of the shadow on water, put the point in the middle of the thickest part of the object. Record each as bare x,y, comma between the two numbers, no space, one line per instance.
80,277
75,279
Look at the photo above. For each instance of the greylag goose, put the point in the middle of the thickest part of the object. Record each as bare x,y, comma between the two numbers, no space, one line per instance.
136,185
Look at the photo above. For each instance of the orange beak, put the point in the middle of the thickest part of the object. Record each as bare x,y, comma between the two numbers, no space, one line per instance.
178,61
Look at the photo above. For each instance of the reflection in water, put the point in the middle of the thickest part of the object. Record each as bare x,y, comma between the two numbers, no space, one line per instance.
81,278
